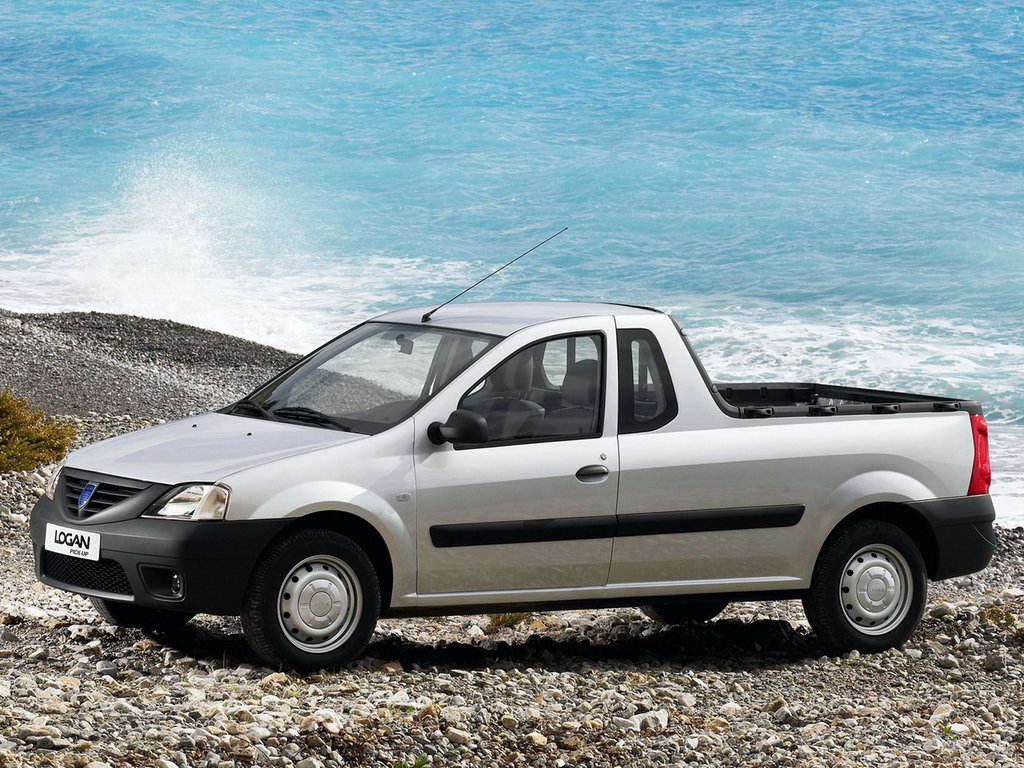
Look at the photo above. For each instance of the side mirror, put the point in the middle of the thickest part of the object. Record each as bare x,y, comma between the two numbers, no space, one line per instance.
462,427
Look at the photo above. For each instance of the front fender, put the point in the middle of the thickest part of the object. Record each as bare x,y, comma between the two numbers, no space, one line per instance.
375,484
395,523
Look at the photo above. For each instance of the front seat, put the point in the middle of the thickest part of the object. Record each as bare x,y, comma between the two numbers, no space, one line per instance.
579,392
508,414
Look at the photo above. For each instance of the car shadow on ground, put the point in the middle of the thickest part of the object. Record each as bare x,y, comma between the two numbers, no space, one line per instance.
738,643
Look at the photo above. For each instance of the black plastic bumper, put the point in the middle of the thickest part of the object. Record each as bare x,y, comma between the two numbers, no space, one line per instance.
964,537
197,567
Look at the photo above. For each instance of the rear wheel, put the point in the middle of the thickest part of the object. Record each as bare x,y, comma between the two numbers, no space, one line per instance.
140,617
868,589
684,613
312,602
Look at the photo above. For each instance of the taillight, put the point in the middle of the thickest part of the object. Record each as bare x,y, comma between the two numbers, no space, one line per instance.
981,473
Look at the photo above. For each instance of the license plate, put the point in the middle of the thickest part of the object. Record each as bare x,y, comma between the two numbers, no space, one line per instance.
69,541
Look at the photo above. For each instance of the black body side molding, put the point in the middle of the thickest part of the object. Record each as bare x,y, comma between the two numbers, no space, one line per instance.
609,526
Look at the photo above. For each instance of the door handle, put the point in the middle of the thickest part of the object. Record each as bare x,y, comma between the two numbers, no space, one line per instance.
592,473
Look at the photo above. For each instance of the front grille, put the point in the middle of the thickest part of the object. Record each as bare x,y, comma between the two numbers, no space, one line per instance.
106,495
99,575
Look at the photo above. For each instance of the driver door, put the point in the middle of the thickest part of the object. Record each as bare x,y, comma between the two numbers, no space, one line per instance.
534,508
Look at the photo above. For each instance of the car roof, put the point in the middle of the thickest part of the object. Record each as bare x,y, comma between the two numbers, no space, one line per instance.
506,317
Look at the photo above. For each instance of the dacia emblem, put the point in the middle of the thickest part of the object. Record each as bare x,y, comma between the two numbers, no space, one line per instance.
86,494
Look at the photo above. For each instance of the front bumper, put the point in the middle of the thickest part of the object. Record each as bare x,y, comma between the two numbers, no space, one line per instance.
963,534
195,567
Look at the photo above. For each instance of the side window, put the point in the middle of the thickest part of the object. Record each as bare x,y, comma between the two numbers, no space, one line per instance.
559,354
547,390
646,397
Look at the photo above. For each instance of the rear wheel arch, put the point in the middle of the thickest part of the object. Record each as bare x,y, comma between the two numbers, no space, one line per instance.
912,522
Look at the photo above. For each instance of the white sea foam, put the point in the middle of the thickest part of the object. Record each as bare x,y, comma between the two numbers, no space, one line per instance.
187,242
1007,449
905,349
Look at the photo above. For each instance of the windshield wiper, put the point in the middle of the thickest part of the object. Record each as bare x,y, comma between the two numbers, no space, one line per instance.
301,413
253,406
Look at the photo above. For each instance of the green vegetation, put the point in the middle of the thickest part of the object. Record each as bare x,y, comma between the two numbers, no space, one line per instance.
28,437
498,621
421,762
1005,620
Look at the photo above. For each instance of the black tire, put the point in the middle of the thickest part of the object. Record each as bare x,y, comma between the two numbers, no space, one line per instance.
868,589
684,613
140,617
312,601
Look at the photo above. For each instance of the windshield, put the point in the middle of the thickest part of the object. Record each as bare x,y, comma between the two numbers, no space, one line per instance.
368,379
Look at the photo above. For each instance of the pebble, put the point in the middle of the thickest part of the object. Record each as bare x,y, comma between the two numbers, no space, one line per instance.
941,712
994,661
656,720
775,705
458,736
49,742
626,723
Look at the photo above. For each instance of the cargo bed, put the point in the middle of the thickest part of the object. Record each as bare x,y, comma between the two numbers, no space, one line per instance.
767,399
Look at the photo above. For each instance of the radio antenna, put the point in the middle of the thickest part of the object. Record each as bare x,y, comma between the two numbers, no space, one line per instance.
426,317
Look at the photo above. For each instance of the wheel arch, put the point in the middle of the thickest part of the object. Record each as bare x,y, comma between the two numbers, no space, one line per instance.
362,533
904,517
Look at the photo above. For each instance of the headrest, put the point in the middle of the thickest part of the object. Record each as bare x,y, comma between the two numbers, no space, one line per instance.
580,384
515,375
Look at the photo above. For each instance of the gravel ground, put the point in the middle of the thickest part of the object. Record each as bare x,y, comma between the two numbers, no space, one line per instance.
597,688
87,362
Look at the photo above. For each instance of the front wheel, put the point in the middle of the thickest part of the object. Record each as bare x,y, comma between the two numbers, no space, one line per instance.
140,617
868,589
312,602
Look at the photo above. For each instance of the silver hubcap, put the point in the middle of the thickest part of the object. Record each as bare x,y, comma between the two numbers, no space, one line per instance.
319,604
876,589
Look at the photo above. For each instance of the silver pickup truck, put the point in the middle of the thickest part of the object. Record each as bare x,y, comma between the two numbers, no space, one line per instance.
522,456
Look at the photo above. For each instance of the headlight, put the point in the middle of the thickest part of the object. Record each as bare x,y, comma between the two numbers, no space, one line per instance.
194,502
51,484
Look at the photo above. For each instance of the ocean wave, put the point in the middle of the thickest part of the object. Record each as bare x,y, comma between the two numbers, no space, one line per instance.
907,348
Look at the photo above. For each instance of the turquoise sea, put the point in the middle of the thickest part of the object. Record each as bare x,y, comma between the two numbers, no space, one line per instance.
825,191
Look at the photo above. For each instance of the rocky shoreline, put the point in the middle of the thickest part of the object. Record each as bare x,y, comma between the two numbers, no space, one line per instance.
594,688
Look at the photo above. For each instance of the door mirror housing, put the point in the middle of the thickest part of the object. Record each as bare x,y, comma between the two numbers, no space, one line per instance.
462,427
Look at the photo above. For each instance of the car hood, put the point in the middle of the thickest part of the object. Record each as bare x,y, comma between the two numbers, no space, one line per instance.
202,448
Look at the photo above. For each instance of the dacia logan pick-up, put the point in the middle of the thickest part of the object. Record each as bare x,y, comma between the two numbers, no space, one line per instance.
522,456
